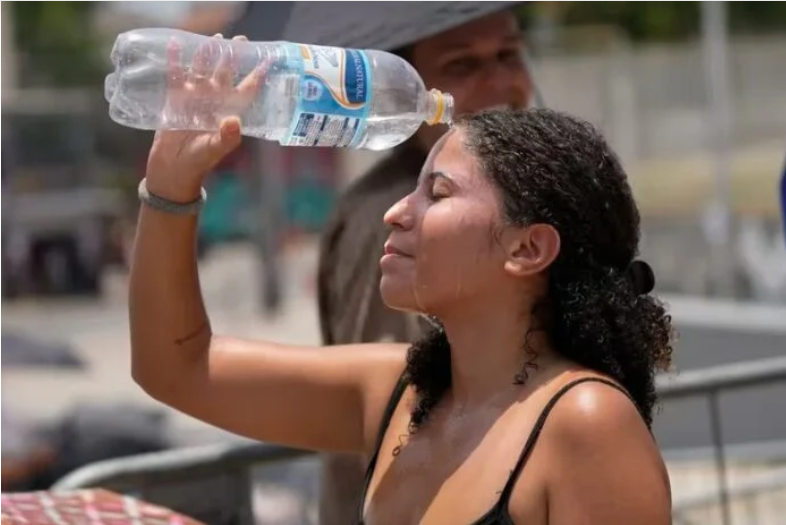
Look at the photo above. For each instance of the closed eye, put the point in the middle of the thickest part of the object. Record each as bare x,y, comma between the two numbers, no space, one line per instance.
437,196
438,186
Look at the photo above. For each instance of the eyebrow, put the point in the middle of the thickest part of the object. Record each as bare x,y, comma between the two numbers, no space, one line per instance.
431,176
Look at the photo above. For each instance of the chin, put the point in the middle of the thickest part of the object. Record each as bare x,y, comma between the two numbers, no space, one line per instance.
398,295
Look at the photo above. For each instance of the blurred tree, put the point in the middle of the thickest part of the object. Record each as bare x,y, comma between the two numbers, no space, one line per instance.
757,16
56,43
656,21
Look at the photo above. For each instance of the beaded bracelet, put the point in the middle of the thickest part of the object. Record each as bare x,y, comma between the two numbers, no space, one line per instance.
168,206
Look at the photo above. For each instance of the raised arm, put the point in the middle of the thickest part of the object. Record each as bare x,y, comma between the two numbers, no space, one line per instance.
322,399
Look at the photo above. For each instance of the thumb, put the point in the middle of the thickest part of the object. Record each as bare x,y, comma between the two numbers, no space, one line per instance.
226,139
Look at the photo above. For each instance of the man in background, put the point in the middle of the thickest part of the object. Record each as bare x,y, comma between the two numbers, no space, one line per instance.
481,64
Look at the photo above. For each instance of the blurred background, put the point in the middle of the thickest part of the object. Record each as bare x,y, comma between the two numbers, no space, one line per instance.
691,95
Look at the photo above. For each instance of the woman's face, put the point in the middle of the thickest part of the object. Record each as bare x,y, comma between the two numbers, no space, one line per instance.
442,250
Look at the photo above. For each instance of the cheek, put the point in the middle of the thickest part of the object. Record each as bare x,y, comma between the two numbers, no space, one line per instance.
522,89
460,88
476,93
455,249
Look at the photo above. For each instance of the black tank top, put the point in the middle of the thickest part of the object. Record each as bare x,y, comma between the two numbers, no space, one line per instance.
498,514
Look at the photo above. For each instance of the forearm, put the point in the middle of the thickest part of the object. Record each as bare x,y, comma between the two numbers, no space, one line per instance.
169,325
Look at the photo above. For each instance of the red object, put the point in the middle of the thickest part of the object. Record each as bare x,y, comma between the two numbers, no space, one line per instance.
85,507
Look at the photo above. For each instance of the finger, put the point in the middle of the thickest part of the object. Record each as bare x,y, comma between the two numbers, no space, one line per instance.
201,65
225,140
176,76
230,131
248,88
225,71
236,39
176,81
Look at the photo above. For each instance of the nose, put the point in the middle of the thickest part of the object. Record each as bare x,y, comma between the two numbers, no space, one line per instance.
400,216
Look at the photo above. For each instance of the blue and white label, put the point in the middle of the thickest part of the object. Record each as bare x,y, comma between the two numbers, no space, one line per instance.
334,96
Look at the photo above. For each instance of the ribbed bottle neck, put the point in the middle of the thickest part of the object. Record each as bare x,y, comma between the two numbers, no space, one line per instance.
439,108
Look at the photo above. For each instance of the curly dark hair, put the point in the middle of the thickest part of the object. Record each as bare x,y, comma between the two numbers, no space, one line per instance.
555,169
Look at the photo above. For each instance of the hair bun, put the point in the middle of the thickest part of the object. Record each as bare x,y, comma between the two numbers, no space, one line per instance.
641,277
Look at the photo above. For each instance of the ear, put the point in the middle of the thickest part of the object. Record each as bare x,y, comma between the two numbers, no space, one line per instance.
531,249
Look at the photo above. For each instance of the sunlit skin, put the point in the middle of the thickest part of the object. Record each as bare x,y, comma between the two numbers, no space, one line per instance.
451,255
596,462
462,265
481,65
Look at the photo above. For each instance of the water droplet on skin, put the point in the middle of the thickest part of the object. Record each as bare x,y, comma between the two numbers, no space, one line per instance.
460,277
418,302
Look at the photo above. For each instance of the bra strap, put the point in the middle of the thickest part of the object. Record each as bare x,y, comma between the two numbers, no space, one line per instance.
390,409
535,434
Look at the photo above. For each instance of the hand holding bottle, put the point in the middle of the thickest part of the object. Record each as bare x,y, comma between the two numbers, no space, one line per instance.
180,160
314,96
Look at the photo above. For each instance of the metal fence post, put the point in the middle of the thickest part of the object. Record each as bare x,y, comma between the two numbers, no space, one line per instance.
720,456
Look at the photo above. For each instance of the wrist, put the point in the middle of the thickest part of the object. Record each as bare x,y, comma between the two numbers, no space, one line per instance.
176,191
169,205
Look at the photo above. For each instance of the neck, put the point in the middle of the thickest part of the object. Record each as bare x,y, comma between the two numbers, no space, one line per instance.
488,352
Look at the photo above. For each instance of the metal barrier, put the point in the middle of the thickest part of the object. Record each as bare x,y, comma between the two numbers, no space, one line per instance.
710,382
756,486
212,483
209,483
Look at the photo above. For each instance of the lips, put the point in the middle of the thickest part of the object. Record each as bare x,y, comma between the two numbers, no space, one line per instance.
391,249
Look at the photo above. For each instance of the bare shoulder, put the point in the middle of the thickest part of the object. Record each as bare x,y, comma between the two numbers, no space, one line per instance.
604,464
594,412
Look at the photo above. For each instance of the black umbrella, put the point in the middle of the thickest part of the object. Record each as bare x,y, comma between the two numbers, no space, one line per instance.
24,351
387,26
364,25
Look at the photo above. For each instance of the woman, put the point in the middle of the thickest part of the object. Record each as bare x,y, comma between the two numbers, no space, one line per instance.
530,401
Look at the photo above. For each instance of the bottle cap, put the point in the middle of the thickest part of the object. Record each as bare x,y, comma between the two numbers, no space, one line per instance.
442,109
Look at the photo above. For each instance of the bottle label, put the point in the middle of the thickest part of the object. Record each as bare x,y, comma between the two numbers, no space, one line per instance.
334,98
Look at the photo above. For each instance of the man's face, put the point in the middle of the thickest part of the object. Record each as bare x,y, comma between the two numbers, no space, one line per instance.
479,63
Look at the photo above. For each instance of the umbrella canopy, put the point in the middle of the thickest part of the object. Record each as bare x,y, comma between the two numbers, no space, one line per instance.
387,26
364,25
96,506
23,351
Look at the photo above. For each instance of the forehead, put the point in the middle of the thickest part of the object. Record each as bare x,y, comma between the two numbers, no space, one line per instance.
489,31
450,156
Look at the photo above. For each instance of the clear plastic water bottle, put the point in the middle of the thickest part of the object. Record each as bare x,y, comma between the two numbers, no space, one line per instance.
306,95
